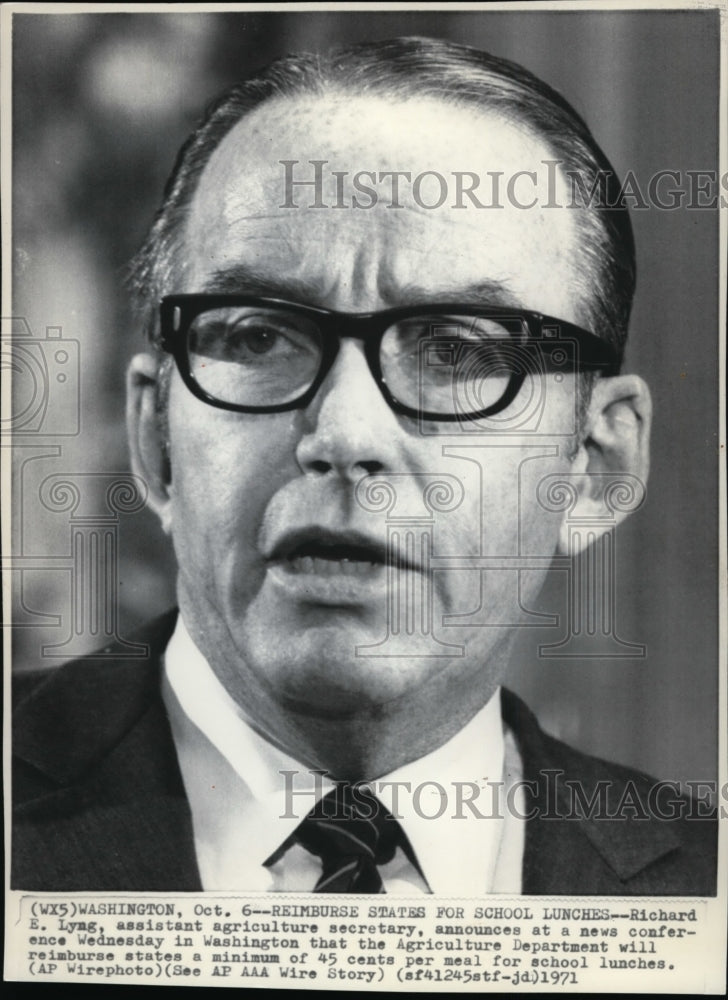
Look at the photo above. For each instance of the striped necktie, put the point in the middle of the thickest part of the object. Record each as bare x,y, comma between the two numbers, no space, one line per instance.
352,833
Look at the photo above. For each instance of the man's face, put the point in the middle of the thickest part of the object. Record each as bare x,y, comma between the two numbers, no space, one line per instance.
280,624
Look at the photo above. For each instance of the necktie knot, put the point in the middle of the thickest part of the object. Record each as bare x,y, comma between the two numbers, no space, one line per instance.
352,833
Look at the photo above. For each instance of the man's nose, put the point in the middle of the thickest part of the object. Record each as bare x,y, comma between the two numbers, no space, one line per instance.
349,428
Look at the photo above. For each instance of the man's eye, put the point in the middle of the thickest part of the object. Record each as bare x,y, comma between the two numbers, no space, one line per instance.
441,355
255,339
464,358
250,339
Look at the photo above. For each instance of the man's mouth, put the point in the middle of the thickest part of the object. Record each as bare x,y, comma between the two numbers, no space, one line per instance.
341,568
345,559
325,552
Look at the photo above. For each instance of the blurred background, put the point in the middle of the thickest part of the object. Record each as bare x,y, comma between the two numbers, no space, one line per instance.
102,102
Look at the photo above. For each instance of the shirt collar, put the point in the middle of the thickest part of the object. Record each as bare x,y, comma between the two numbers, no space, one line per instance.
203,704
431,793
435,815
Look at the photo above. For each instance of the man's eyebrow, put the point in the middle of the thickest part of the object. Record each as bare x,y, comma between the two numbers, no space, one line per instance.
244,279
487,292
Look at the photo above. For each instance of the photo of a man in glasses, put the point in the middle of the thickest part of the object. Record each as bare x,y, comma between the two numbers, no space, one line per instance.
360,399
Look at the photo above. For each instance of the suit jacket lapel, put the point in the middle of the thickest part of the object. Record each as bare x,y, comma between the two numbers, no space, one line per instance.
571,848
98,763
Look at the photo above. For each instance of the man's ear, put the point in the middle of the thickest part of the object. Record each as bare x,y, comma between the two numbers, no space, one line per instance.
615,447
146,437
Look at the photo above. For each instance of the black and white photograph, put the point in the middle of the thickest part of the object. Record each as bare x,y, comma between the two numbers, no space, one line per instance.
364,496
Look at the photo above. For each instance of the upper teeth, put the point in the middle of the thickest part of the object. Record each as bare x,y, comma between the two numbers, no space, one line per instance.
316,564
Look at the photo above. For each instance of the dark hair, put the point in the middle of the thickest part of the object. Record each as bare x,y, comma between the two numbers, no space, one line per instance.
406,67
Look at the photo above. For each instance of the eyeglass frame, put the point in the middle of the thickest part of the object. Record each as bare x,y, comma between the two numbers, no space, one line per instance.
370,327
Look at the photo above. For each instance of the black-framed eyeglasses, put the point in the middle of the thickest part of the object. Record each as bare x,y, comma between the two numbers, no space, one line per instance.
434,362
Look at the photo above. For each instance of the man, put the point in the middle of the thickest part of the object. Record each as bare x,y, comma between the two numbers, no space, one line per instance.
364,363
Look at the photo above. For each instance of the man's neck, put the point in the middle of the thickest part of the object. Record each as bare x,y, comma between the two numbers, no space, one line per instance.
369,742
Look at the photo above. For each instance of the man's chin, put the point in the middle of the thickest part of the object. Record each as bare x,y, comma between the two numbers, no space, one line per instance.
343,688
322,673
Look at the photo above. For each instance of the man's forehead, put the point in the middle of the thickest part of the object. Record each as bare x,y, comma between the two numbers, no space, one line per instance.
249,203
376,132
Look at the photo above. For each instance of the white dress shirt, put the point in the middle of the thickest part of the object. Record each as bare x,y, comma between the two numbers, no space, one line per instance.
243,810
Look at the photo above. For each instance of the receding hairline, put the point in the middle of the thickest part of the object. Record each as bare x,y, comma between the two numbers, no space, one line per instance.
253,145
340,97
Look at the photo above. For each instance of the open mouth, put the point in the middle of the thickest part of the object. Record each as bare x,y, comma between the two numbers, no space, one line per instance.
330,553
329,559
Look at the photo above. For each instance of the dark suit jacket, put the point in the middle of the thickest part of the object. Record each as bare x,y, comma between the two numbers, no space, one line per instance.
100,804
